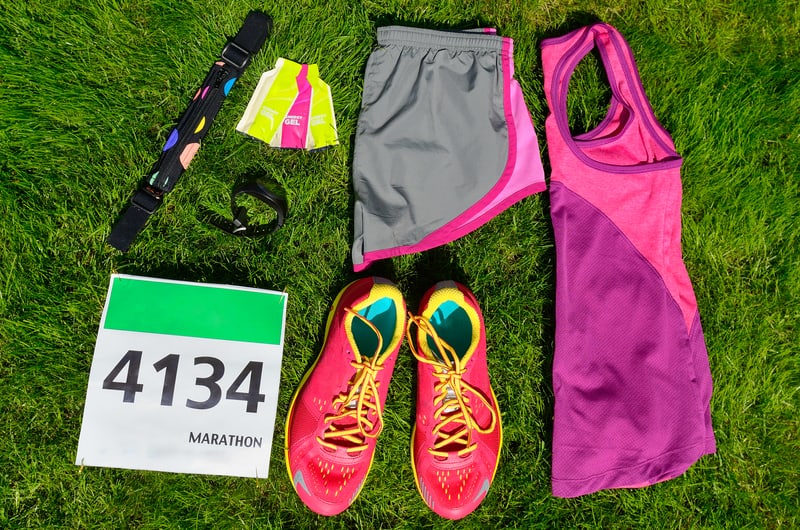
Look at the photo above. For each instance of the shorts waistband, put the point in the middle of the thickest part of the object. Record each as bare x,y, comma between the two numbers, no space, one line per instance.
475,40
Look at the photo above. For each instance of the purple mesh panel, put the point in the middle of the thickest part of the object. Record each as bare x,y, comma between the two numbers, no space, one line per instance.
632,388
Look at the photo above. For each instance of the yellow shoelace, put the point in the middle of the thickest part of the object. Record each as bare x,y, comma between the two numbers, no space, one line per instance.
454,407
358,401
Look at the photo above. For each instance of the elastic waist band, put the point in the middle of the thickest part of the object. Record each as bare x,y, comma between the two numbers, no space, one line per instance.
472,40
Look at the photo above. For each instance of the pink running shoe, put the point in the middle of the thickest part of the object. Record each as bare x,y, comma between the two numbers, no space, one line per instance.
336,414
457,436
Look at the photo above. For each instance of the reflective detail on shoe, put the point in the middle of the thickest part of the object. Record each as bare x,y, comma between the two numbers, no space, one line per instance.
299,480
426,495
358,490
483,491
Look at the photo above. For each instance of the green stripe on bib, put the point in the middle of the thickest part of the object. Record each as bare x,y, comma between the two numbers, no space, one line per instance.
195,310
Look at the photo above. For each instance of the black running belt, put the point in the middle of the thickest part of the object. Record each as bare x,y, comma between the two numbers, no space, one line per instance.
184,140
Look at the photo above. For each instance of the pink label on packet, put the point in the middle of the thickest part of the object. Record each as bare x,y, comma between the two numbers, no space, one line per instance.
295,126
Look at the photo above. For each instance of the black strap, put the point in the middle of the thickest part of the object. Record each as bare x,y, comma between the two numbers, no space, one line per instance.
194,123
266,190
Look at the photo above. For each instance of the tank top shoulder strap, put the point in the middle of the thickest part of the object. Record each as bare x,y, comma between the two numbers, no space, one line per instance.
630,120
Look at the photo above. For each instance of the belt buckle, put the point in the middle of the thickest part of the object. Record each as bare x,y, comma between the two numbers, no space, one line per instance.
147,199
232,46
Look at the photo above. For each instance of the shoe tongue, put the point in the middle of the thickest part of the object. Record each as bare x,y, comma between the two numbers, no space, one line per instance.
450,394
344,424
354,402
453,427
350,421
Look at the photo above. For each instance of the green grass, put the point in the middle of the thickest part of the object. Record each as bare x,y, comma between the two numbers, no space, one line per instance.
88,93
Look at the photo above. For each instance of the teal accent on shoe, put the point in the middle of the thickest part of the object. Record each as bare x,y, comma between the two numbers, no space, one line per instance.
453,326
384,316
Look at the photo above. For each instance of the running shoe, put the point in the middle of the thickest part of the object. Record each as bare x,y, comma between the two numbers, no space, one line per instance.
336,414
457,436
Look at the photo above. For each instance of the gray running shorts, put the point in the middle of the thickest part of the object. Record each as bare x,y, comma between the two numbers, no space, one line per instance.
444,141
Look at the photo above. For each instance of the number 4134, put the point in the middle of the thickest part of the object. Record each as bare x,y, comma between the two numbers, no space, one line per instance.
129,383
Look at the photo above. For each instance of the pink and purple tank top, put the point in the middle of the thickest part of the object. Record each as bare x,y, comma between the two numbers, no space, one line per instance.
631,376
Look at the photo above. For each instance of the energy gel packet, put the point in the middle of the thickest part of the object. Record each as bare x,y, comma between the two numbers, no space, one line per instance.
291,108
